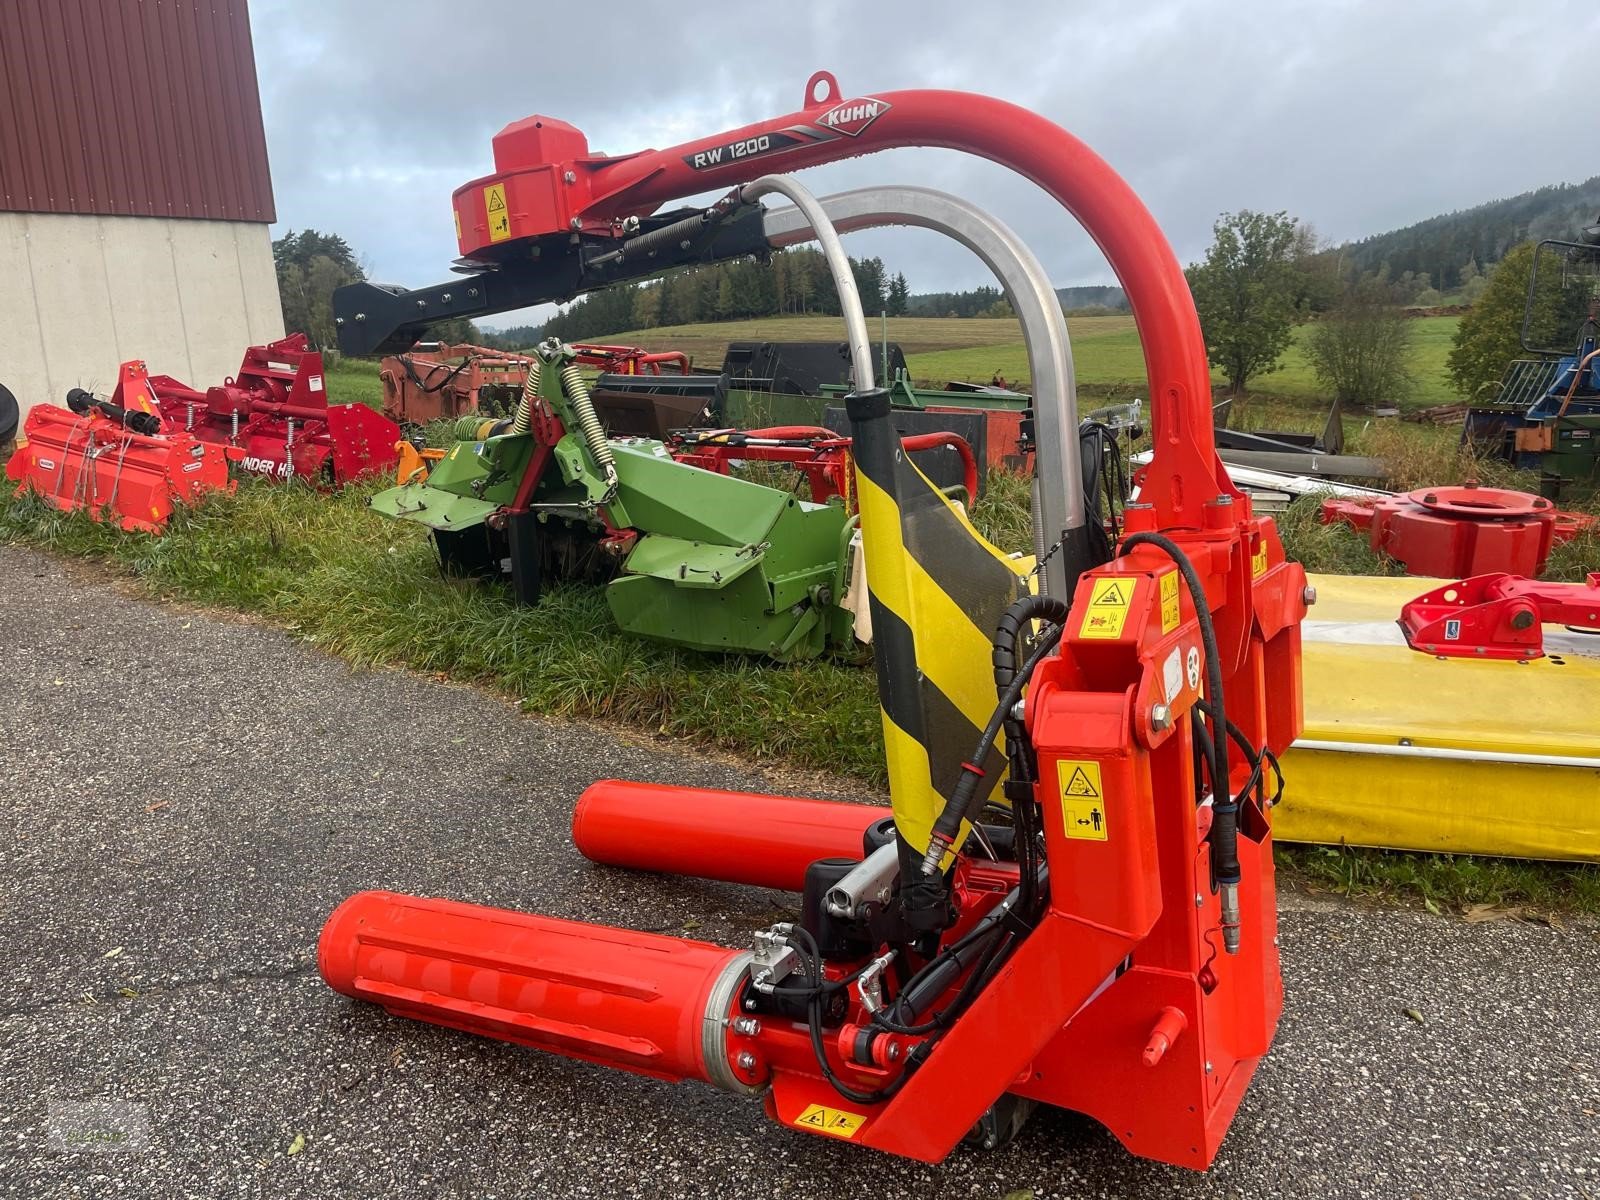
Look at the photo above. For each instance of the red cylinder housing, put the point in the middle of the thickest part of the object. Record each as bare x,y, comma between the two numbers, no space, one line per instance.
611,996
737,837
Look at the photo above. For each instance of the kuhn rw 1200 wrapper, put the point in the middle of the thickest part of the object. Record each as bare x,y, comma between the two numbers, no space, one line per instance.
1070,901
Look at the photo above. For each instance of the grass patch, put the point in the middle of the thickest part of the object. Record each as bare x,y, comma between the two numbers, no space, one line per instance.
1443,882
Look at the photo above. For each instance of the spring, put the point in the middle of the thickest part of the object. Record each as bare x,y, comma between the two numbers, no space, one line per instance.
522,421
589,422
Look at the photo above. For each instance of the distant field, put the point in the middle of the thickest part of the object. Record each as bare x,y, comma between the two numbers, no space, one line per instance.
1105,350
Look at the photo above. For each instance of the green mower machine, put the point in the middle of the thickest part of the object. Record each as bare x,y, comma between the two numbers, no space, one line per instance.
688,556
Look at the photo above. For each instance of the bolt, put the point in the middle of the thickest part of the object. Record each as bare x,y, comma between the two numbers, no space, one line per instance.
1430,498
361,316
746,1061
894,1052
1160,716
1019,710
1199,900
747,1026
750,1004
1208,1067
422,304
338,320
1521,619
1309,595
445,297
569,177
575,223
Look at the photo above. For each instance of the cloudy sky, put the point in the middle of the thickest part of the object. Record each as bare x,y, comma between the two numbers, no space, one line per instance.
1355,115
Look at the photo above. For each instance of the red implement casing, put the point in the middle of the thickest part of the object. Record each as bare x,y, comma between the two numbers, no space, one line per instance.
275,420
1451,532
423,384
92,463
1497,616
819,454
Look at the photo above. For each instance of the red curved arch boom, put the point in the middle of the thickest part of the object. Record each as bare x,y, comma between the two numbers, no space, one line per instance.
595,193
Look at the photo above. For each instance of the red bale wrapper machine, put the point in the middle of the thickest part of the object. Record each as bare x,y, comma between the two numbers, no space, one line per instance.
1070,900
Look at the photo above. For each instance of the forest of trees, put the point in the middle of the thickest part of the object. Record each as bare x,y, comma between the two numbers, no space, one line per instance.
795,283
1453,249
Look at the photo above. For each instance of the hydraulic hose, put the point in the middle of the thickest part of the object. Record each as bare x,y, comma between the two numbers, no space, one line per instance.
965,798
1224,836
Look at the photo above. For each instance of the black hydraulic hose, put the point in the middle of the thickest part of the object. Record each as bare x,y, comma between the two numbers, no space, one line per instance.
965,797
1004,658
1009,628
1225,809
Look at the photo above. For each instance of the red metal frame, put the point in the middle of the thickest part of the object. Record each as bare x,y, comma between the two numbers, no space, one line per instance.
1497,615
274,418
1120,1003
451,389
819,454
1451,532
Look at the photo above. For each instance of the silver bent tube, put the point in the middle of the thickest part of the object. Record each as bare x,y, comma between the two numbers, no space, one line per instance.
1058,470
821,228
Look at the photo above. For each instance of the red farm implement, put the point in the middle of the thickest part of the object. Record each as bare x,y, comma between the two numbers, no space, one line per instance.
1452,532
434,380
112,458
274,418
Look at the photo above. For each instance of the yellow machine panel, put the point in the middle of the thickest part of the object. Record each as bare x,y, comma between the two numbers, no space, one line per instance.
1413,752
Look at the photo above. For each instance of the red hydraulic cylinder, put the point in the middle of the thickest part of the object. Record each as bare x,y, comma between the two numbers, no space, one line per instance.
736,837
647,1004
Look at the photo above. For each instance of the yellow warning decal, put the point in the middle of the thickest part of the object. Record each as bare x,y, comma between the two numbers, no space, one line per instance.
1107,613
494,203
834,1121
1258,562
1083,809
458,224
1169,602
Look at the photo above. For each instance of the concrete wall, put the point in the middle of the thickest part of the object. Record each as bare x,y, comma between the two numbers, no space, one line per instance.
81,294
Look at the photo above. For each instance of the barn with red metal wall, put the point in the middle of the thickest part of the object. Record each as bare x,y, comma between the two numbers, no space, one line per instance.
134,193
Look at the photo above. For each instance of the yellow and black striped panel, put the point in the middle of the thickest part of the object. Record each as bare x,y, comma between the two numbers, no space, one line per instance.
936,590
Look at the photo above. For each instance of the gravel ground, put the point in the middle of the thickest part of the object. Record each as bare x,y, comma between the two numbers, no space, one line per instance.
185,798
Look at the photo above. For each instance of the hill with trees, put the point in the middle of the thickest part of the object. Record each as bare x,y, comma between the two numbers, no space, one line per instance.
1453,249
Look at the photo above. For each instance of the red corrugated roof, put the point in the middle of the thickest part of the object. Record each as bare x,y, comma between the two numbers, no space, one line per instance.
132,108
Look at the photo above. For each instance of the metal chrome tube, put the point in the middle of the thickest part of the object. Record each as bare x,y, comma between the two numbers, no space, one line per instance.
1059,470
820,225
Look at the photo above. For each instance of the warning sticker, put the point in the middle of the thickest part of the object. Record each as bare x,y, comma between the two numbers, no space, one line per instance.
494,202
1169,602
833,1121
1107,613
1258,562
458,224
1083,808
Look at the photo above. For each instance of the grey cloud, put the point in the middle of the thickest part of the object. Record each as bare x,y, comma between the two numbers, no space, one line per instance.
1355,115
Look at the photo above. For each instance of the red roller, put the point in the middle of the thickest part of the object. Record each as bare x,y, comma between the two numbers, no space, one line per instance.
737,837
647,1004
